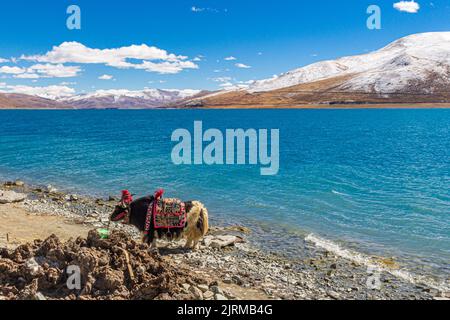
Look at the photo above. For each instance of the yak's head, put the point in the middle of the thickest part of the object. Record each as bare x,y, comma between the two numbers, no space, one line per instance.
123,208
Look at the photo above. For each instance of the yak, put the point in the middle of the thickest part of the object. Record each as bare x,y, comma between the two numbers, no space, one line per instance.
135,213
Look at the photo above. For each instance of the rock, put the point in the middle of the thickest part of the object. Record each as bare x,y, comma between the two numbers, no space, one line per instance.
441,299
39,296
237,280
216,289
33,267
112,198
19,183
220,297
227,280
203,287
239,229
186,286
51,189
71,197
11,197
208,295
221,241
334,295
198,294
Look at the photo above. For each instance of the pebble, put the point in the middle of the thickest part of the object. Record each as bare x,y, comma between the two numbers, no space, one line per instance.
51,189
220,297
221,241
33,266
39,296
198,294
203,287
216,289
334,295
208,295
7,196
19,183
186,286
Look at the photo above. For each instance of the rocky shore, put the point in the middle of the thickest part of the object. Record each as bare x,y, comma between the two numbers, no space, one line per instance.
226,267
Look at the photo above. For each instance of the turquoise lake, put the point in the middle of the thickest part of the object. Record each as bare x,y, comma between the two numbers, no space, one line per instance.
375,181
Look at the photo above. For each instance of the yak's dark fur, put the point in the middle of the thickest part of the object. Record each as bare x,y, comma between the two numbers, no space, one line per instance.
138,214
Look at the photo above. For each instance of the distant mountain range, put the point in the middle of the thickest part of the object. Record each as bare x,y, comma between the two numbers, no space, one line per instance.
413,69
103,99
145,99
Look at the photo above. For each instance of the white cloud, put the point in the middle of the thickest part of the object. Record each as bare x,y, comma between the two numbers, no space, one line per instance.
222,79
54,70
49,92
166,67
106,77
65,83
213,10
407,6
226,85
3,60
242,66
11,70
27,76
42,71
74,52
231,58
197,9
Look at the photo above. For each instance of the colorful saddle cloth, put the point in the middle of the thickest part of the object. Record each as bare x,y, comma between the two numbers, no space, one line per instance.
169,214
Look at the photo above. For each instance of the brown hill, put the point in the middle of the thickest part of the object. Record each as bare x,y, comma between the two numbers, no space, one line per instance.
328,92
23,101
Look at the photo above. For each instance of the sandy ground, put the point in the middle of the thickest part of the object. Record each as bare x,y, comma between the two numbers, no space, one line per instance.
22,227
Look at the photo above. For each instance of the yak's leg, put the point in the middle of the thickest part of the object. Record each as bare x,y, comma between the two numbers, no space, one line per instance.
196,245
144,238
188,244
154,244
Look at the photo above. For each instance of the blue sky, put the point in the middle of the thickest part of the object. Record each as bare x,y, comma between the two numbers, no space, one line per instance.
265,38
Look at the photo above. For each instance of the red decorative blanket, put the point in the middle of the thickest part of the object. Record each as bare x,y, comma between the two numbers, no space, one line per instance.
169,214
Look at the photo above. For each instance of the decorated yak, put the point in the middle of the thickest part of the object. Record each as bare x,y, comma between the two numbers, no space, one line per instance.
160,218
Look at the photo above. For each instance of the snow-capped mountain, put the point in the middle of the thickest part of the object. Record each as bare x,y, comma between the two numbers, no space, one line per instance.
410,60
148,98
413,69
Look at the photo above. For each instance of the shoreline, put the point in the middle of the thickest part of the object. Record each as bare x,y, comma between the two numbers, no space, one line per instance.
246,271
362,106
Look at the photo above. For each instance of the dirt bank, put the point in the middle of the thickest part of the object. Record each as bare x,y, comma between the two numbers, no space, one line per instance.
116,268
